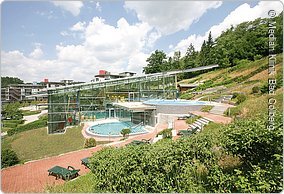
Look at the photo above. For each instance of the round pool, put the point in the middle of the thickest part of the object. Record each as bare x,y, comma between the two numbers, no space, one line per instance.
175,102
113,129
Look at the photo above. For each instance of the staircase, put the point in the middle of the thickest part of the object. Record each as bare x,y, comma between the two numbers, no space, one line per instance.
199,123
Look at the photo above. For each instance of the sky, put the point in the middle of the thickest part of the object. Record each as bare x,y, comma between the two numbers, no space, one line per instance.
75,39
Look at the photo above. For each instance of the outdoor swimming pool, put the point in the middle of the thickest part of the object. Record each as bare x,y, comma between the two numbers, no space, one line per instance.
175,102
113,129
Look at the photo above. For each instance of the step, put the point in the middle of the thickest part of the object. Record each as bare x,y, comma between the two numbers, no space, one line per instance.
204,120
194,125
199,123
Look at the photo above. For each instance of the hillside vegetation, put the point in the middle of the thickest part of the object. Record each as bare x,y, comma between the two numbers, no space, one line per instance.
240,78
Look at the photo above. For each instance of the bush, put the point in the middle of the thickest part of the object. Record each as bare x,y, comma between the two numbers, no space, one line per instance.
126,131
90,142
241,98
9,157
264,88
33,125
255,90
206,108
233,111
167,133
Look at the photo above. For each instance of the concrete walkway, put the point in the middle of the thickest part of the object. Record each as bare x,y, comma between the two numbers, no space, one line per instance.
31,118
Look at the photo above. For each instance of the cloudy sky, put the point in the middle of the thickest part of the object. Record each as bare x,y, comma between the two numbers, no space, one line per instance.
75,39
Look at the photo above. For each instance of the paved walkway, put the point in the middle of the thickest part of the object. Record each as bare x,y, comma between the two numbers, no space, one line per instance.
32,118
33,176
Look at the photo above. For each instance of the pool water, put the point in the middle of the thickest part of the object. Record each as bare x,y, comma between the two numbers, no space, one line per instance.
174,102
114,128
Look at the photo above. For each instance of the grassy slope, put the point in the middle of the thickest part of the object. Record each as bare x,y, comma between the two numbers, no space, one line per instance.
36,144
219,75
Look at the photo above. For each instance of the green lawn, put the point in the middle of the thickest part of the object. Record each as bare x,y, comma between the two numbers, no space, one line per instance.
83,184
36,144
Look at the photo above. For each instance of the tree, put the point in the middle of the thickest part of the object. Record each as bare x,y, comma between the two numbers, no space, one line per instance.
12,111
9,157
5,81
156,62
126,131
190,57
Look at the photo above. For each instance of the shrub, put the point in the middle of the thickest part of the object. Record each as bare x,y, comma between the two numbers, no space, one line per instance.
264,88
9,157
33,125
124,132
90,142
206,108
167,133
233,111
241,98
255,89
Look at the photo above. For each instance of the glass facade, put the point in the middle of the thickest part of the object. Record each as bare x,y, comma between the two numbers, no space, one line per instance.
73,104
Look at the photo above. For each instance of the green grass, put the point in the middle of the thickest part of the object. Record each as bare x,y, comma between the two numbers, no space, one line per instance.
36,143
83,184
206,108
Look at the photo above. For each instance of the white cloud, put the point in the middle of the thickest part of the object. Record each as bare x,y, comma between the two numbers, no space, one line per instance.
31,69
37,52
98,6
80,26
241,14
113,48
71,6
170,16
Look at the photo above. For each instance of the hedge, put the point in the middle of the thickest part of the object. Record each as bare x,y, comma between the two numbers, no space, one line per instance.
33,125
13,121
10,125
27,113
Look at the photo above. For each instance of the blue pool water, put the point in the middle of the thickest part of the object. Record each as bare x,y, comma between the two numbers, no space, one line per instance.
174,102
114,128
